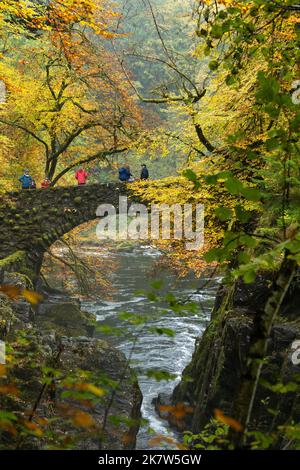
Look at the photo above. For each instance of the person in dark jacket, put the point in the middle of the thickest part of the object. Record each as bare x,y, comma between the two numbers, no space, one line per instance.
144,173
124,173
26,180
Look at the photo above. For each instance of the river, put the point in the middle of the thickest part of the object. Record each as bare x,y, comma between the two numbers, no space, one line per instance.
152,352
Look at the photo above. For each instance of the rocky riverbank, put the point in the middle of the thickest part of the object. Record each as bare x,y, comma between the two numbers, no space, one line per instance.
58,346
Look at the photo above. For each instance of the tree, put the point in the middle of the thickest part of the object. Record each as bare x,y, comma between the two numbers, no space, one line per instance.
170,57
75,105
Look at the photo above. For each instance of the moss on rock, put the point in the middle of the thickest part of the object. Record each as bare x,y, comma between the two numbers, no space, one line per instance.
16,258
67,319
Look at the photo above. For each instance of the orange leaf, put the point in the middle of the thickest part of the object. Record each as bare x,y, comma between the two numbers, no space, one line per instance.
83,419
33,427
179,410
12,292
227,420
9,390
30,425
160,438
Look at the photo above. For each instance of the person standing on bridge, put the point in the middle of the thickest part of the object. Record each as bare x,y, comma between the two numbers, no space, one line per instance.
45,183
26,180
124,173
33,184
81,176
144,172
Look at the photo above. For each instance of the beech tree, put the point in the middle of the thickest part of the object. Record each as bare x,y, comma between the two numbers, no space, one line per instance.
68,93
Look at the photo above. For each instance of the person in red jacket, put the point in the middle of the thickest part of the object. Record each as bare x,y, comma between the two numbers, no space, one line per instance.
45,183
81,176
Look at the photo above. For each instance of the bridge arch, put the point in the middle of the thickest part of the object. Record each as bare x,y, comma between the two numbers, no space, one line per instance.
32,220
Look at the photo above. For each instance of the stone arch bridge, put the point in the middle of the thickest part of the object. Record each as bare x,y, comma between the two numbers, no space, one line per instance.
31,221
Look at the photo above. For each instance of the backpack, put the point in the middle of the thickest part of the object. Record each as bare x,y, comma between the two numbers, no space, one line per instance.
123,174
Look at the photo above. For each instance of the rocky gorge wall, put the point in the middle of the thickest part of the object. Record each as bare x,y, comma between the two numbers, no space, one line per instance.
211,380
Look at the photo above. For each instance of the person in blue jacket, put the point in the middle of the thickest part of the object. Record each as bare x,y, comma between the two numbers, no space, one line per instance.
125,174
26,180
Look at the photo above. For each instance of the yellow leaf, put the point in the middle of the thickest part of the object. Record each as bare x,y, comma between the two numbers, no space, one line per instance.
99,392
32,297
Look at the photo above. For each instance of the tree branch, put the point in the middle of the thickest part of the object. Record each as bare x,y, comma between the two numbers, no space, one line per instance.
99,155
23,128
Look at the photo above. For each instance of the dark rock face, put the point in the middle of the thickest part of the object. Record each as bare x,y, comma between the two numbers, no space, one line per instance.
249,298
59,336
65,317
212,378
98,357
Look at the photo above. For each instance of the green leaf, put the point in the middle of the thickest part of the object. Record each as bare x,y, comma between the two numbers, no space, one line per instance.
230,80
162,331
223,213
160,375
213,255
213,65
249,277
251,194
234,186
269,88
190,175
244,258
248,241
157,284
241,214
211,179
152,297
